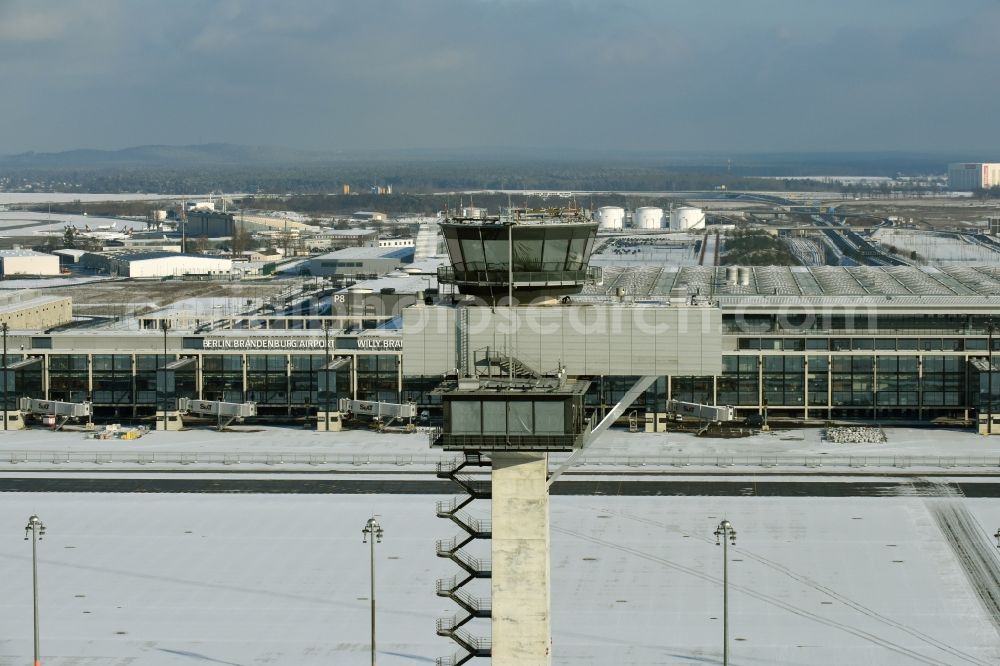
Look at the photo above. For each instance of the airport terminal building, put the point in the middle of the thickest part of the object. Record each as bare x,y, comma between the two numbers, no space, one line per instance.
823,343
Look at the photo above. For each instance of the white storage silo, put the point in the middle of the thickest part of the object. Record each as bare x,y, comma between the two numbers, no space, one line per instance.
647,217
687,217
610,217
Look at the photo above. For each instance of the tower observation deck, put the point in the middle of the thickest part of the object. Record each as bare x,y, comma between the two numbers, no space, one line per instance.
531,255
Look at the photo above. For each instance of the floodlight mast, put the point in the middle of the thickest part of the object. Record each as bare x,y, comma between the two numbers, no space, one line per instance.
725,535
373,530
37,529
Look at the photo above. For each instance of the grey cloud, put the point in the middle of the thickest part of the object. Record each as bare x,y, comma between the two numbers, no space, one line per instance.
631,74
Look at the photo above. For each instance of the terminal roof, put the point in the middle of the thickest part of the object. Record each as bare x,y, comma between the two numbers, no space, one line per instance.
949,283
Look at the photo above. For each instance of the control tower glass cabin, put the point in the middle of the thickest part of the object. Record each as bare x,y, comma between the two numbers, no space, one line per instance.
543,415
546,253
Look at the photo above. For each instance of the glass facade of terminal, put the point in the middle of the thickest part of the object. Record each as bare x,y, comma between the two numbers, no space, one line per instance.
842,381
872,376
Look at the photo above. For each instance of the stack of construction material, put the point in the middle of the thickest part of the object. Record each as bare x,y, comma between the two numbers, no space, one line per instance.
856,435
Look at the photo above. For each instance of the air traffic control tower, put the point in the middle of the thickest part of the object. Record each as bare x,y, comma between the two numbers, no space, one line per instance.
518,345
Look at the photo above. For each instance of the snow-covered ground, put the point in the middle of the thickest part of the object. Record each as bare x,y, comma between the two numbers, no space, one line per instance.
613,443
44,283
22,198
31,224
241,579
935,247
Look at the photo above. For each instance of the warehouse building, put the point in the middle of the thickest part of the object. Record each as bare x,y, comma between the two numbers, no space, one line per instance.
971,176
27,310
360,261
28,263
209,223
69,256
215,224
155,264
338,239
369,216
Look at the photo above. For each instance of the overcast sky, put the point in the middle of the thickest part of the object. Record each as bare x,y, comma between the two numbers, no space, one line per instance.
650,75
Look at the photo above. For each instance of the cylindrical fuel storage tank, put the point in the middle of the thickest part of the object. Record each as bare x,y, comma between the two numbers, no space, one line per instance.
610,217
647,217
687,217
732,277
744,276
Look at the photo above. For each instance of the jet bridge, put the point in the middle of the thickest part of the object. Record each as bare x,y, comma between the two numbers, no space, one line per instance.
383,414
225,412
55,413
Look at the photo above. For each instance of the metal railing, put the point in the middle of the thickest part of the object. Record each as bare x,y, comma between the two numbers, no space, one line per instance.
501,276
452,549
430,460
512,442
477,606
815,460
452,508
125,456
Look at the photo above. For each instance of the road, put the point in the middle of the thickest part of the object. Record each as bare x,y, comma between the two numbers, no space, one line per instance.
888,487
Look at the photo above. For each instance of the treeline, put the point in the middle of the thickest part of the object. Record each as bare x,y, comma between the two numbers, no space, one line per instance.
415,177
324,205
756,248
429,204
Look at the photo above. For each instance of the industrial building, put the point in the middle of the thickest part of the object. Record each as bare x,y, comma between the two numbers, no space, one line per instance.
359,261
648,217
154,264
681,218
970,176
215,224
337,239
147,242
369,216
69,255
209,223
684,218
396,242
28,310
28,263
610,217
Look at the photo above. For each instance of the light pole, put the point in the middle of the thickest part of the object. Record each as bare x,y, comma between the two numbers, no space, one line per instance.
372,534
164,326
724,535
37,529
326,371
4,327
989,380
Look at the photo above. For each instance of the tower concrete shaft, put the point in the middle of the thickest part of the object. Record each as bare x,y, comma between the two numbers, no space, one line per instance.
522,634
